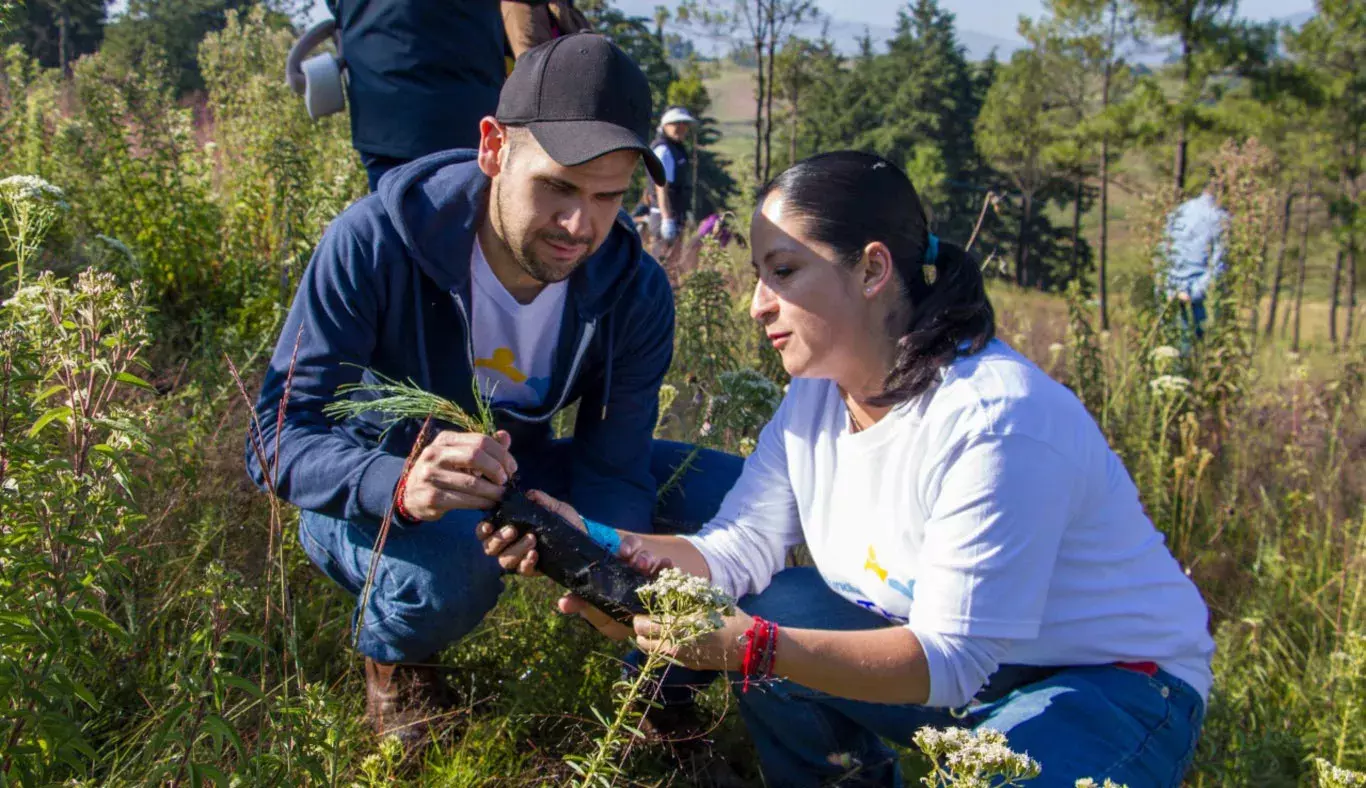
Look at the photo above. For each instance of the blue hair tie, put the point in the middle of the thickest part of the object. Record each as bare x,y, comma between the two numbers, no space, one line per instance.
932,250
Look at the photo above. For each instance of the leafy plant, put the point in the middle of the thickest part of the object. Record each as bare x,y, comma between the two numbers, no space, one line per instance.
973,759
686,608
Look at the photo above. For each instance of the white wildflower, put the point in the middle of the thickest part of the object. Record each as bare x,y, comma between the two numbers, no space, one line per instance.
1331,776
1169,384
1165,353
391,748
971,758
1055,348
1087,782
685,604
674,582
31,188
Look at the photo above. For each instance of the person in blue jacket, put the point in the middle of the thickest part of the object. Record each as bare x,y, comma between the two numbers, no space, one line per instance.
1194,252
511,267
420,75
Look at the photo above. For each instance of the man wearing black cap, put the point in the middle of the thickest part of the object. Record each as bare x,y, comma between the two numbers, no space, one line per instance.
511,268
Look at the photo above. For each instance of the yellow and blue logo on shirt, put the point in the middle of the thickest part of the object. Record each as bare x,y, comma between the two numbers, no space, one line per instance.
872,565
504,363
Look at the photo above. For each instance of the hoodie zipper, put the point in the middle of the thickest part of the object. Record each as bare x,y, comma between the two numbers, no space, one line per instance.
588,330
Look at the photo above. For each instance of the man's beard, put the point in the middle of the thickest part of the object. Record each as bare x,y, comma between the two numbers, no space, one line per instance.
540,270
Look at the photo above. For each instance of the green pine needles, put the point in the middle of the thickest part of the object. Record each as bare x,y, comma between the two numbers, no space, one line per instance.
399,400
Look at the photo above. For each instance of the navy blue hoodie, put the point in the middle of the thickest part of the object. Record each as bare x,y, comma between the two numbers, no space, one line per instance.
388,289
420,74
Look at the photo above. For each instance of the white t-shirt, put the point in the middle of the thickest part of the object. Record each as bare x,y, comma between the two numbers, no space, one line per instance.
514,344
988,514
666,157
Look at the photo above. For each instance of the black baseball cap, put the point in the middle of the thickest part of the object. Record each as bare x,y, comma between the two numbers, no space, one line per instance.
581,97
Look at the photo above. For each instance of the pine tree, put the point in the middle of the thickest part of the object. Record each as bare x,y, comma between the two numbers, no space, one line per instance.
1100,31
173,29
1332,49
922,93
1212,41
56,32
1014,135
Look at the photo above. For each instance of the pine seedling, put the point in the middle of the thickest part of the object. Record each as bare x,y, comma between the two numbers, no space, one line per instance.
399,400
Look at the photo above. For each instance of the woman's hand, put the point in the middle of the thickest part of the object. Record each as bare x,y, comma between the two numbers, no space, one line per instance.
720,649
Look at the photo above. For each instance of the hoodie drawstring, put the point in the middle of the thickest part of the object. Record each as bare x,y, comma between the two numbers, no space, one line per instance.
607,376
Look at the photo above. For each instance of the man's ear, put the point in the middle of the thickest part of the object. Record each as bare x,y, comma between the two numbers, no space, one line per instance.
493,142
878,270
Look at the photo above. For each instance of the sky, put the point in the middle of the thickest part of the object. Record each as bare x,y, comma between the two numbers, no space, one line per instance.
1000,17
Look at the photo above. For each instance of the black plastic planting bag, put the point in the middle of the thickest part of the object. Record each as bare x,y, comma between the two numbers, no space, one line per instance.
571,558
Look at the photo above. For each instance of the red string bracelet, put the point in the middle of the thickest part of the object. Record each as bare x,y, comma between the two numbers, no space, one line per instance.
771,661
749,661
402,510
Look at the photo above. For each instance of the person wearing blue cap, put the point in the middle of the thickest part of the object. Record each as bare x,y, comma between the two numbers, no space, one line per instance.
981,556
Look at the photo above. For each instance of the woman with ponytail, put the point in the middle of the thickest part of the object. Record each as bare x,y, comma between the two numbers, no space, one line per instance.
981,555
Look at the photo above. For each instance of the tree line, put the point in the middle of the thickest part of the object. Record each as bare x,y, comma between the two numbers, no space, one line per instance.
1017,155
1036,141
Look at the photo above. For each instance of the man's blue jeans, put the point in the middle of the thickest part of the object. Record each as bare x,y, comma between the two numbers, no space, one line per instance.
434,584
1193,317
1097,722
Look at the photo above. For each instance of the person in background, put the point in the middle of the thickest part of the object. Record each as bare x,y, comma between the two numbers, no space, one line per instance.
717,224
644,218
530,23
673,198
1194,251
420,75
982,557
511,268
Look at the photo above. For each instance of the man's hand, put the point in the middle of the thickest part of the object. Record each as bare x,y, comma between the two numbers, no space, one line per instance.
459,470
519,555
1184,297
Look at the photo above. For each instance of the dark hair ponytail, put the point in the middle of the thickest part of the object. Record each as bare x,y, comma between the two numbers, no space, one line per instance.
849,199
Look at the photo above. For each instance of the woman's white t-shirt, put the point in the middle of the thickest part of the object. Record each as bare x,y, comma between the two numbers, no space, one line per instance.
989,510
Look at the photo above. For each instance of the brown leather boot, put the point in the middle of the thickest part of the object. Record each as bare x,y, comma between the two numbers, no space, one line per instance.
405,701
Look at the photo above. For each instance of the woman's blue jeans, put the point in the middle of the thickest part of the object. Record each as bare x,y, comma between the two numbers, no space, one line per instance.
434,584
1097,722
